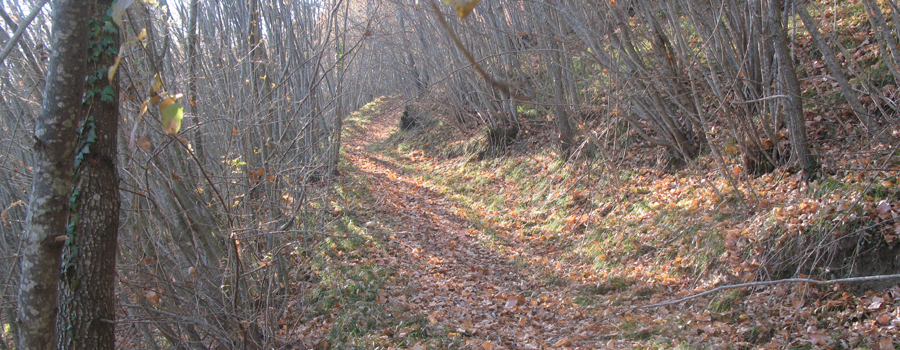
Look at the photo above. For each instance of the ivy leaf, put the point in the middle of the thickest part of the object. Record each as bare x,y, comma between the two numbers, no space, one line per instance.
91,137
109,28
463,7
108,94
171,117
107,41
79,158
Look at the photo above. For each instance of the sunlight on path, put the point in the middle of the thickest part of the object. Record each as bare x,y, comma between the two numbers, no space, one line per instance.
461,278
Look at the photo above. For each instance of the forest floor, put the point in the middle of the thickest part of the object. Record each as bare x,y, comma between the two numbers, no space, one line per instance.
464,278
431,252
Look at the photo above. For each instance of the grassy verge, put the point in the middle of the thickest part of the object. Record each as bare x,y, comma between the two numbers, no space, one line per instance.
644,234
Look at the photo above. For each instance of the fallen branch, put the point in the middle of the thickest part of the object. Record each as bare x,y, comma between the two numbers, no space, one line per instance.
766,283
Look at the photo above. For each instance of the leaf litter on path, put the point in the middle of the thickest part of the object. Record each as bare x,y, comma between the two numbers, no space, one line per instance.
502,290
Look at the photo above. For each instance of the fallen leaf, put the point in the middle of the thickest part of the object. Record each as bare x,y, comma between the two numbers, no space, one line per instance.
817,337
511,303
875,304
562,342
152,297
883,319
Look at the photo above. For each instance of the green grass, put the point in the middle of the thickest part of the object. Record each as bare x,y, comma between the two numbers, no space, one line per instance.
725,302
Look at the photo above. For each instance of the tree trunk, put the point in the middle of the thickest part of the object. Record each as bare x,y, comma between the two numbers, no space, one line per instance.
48,210
563,127
795,119
87,299
193,68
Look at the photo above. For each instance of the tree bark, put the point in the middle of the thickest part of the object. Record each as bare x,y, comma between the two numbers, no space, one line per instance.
564,137
795,118
563,128
54,134
87,289
193,67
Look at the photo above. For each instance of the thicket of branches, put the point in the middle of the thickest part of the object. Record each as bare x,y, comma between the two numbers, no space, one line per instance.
674,73
216,219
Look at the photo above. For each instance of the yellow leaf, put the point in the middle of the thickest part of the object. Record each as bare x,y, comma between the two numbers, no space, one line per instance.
171,118
463,7
115,66
3,216
157,83
731,149
168,101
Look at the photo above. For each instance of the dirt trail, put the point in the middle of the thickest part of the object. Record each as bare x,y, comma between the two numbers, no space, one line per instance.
461,278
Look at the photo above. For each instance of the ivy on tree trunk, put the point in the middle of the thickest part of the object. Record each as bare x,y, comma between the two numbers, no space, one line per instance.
87,289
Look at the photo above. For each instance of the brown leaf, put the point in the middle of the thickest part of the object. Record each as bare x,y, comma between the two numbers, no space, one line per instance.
818,338
562,342
883,319
883,208
143,143
511,303
152,297
875,304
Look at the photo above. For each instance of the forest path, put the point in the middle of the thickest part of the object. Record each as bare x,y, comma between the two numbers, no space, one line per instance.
479,288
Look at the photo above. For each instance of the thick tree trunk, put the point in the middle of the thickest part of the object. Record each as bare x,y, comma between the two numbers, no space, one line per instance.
87,289
795,118
54,134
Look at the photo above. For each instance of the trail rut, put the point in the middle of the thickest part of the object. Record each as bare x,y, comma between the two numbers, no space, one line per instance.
465,280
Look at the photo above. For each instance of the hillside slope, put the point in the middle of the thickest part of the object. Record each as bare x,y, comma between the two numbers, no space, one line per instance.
522,252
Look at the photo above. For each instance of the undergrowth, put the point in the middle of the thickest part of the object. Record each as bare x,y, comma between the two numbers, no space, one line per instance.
645,230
